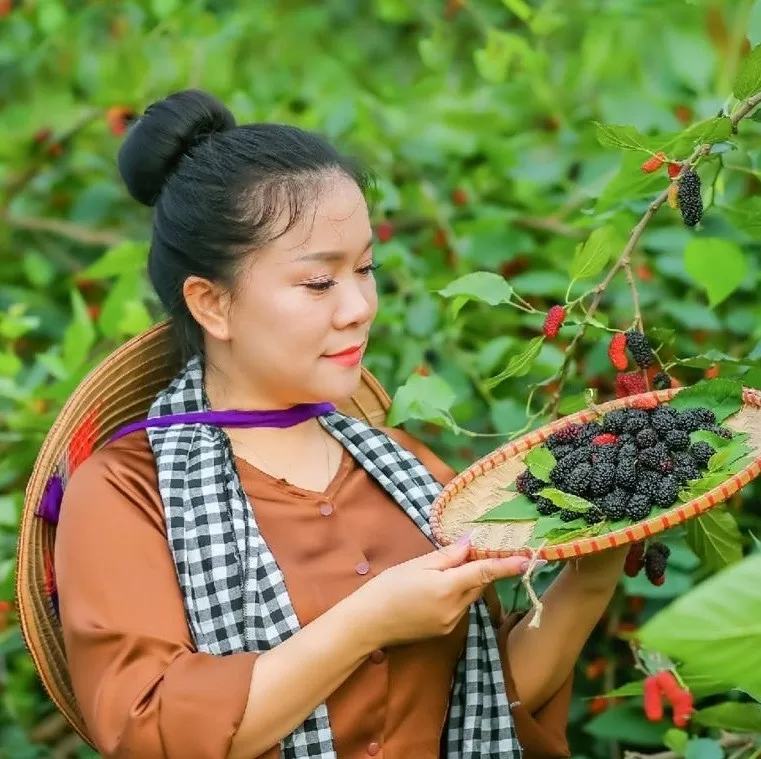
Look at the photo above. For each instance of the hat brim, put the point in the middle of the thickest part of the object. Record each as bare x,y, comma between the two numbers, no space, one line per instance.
119,390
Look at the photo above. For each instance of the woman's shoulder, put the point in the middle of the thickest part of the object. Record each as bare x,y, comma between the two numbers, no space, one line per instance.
121,474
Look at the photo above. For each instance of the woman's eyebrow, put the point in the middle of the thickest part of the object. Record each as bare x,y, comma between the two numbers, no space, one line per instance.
329,255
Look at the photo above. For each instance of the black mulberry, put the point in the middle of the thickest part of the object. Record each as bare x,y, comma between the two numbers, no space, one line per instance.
637,420
561,451
566,515
724,432
527,484
702,453
688,420
706,416
655,457
593,515
647,438
545,506
614,504
565,435
690,202
655,563
664,419
638,507
647,483
615,421
578,480
640,348
667,492
677,440
603,478
627,451
662,381
626,473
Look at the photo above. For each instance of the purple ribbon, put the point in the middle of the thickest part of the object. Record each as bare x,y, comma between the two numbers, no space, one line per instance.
288,417
49,507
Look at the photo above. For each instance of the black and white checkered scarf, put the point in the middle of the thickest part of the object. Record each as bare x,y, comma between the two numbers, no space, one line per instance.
235,593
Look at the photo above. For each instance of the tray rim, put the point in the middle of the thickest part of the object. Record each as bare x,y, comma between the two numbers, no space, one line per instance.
595,544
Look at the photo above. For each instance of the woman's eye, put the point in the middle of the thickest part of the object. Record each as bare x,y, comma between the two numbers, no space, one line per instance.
370,268
323,285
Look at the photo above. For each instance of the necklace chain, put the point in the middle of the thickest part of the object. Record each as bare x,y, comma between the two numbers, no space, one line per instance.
261,458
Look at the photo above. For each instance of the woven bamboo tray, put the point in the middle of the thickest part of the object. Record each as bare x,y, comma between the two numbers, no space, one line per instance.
481,487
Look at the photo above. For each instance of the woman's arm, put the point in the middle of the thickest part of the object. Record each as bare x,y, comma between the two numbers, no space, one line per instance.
292,679
541,659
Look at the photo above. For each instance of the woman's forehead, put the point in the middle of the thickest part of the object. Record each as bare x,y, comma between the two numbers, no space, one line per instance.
338,221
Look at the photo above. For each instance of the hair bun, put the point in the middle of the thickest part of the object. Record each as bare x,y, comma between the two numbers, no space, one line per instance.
165,132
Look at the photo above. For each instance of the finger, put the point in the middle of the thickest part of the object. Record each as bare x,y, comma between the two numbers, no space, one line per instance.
449,556
482,572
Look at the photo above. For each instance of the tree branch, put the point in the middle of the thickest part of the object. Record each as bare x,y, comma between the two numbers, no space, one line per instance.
75,232
624,260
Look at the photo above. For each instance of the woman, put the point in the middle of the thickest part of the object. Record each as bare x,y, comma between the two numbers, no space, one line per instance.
241,592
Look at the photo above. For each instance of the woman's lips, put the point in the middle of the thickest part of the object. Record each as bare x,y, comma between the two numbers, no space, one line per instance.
349,357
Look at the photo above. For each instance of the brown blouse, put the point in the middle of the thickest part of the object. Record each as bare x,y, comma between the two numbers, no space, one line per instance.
145,692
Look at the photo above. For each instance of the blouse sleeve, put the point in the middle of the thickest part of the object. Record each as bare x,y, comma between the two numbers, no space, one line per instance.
141,687
542,734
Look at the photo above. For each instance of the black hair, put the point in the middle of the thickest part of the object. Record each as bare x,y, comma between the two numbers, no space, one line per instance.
219,191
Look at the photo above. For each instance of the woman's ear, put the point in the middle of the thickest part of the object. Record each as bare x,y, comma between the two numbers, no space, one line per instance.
209,303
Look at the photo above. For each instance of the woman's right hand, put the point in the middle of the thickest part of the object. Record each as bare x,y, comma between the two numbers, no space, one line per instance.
427,596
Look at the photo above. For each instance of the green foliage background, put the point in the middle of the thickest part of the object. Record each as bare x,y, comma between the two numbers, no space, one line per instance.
478,118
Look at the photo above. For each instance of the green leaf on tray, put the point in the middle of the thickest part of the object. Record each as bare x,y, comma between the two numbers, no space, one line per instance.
547,524
540,462
714,440
563,535
515,510
565,500
715,538
722,396
728,455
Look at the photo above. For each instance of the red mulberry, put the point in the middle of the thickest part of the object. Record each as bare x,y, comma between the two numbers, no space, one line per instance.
631,383
617,351
553,321
654,163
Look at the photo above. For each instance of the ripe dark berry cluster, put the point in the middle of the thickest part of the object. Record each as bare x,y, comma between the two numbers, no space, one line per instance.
652,560
639,347
690,202
627,463
662,381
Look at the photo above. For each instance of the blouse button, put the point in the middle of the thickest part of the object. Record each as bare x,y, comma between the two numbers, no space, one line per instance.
373,748
362,568
378,656
326,509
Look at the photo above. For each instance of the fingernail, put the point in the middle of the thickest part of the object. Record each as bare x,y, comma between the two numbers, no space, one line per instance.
538,565
465,539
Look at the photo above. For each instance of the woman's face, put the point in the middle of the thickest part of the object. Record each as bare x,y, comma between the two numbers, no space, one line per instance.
307,296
